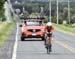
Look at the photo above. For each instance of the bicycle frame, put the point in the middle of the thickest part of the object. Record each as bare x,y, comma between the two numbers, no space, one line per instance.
48,44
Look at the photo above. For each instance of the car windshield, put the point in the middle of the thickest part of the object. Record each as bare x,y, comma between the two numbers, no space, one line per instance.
33,23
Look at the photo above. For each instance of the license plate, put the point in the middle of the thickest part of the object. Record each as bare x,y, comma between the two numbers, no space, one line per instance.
34,34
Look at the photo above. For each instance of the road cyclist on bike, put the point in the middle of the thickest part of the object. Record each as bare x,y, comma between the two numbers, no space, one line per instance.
48,31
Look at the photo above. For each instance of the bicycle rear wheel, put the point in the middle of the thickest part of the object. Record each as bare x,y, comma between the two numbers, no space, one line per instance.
48,50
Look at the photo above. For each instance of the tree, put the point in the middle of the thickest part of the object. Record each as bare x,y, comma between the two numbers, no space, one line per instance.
2,7
65,13
73,19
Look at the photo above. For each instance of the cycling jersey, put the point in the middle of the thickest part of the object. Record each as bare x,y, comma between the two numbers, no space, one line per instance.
49,28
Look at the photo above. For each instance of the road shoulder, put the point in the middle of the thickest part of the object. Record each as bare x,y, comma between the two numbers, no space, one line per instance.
7,48
68,33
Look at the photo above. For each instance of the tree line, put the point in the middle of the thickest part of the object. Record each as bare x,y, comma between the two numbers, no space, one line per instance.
2,17
33,7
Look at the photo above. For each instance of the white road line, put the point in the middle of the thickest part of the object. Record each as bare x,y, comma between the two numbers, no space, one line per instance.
15,45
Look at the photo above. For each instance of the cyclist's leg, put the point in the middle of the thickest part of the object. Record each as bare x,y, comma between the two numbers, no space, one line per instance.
50,44
47,41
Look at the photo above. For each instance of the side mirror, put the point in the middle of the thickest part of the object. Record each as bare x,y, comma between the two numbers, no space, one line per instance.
20,25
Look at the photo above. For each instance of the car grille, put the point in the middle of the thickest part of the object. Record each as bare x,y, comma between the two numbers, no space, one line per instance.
34,30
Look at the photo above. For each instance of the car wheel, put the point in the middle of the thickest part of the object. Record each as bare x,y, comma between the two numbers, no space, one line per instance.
22,38
43,38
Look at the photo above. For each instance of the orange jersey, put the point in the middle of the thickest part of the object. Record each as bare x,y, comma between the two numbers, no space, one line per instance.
49,29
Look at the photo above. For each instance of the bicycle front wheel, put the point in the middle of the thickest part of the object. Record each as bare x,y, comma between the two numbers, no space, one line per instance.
48,50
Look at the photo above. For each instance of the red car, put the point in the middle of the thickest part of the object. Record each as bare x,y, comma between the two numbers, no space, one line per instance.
32,28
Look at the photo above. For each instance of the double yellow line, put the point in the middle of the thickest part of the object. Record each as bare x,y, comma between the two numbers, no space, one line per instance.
65,46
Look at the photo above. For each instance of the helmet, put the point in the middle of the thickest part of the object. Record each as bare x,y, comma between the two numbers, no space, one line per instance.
49,24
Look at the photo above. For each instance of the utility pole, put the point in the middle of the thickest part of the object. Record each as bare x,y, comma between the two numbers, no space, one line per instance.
50,10
8,7
57,13
23,9
41,11
69,11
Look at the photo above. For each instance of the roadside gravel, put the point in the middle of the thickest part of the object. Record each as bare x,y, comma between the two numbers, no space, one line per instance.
7,49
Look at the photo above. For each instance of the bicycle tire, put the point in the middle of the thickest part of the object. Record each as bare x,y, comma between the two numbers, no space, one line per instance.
48,50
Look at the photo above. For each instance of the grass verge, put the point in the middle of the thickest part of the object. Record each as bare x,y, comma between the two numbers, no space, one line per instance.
65,28
4,32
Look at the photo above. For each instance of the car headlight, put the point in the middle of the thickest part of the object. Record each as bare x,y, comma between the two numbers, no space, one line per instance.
23,29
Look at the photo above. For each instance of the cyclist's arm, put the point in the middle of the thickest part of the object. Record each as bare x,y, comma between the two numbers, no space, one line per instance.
52,28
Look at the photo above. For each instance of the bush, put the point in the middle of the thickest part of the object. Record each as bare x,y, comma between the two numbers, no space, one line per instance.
2,18
54,19
73,25
46,19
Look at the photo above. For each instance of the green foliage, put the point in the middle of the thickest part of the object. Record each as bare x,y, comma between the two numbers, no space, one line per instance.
1,4
66,28
2,9
53,19
4,32
32,6
46,19
63,9
73,19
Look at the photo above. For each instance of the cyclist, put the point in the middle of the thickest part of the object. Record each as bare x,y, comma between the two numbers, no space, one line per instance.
48,30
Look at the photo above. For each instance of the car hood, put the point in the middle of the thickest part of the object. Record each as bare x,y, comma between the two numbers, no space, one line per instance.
34,27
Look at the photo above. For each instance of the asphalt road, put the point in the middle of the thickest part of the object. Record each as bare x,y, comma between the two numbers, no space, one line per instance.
63,46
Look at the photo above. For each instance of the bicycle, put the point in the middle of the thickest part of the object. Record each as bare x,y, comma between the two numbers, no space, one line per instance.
48,42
